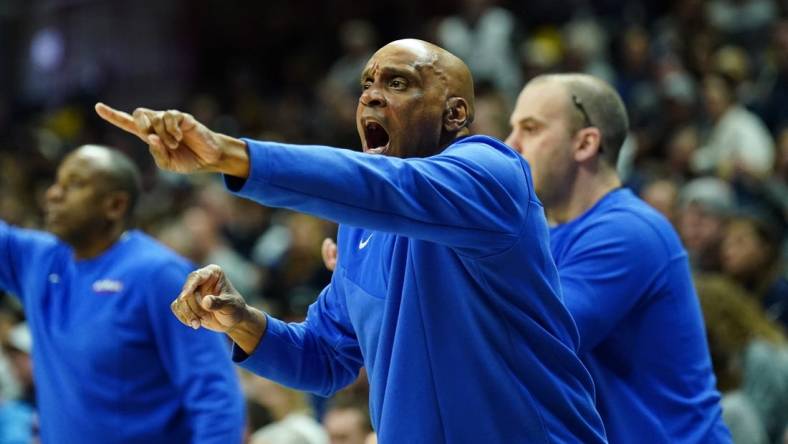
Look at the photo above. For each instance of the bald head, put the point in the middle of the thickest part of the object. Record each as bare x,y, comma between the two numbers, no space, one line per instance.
116,171
418,98
601,103
449,69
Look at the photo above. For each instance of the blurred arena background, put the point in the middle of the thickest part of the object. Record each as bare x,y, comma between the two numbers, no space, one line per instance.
705,83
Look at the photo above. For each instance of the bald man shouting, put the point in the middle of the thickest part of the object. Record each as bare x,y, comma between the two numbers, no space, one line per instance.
445,289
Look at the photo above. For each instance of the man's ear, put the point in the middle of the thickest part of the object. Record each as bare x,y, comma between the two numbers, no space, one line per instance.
116,205
589,143
455,116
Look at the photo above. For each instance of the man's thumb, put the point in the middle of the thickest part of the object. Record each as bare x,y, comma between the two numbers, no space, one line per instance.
212,302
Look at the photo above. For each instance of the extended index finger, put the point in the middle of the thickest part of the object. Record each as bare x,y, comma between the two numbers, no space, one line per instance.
118,118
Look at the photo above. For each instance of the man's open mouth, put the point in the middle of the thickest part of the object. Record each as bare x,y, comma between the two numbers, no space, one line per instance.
376,138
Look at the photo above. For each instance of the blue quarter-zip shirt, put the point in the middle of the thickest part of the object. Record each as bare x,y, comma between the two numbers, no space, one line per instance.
445,290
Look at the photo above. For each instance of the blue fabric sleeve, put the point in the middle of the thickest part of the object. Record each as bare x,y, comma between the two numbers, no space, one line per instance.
320,355
198,362
19,249
473,196
607,273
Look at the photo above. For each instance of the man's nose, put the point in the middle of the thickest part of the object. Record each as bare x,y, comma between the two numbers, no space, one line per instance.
54,192
372,96
513,141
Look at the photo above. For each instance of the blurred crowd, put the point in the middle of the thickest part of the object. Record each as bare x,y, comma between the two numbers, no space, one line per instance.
705,84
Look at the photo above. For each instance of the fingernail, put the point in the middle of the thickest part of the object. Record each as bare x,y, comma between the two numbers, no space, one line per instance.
195,324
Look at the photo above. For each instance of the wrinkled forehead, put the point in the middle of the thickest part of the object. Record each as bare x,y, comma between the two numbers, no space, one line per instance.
402,55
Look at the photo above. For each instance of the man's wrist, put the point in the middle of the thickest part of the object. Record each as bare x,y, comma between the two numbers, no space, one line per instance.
249,331
234,160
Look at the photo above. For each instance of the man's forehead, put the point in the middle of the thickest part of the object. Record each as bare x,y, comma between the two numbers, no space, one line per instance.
414,48
89,157
401,54
539,100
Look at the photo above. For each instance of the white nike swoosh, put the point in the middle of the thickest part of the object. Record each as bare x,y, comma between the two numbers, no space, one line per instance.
364,242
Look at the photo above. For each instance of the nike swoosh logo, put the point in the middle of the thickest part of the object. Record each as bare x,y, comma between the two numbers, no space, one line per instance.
364,242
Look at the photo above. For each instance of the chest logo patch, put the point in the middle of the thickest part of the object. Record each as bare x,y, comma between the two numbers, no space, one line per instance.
107,286
363,243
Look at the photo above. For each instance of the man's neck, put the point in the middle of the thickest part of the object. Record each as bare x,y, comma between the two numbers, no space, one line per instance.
98,244
587,190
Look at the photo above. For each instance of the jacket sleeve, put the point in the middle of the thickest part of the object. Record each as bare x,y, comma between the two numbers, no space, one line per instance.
320,355
199,364
20,249
473,196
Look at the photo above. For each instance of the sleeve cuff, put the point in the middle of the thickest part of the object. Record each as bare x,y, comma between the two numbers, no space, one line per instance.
259,170
271,358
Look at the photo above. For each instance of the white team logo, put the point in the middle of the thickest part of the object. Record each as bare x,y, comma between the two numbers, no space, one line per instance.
364,242
107,286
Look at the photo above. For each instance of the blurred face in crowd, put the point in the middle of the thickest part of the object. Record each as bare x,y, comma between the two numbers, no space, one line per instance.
699,228
542,132
78,205
662,195
408,87
716,96
744,253
345,426
22,365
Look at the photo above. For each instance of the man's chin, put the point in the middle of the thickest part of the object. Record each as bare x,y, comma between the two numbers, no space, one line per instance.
58,230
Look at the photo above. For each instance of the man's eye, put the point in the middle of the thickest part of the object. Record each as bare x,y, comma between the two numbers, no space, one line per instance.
397,84
365,86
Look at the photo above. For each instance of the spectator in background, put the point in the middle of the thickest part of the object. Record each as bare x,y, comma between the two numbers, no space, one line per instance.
734,319
338,92
586,44
744,21
111,364
740,143
773,82
492,112
197,235
358,40
704,206
757,412
682,144
484,35
662,195
733,64
751,257
18,416
296,274
10,316
634,76
347,421
292,421
775,189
